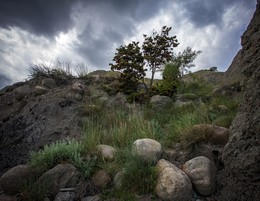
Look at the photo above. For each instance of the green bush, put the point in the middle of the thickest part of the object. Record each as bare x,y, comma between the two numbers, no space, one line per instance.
59,152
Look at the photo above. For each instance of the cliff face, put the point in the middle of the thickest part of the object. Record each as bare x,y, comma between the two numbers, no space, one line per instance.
240,179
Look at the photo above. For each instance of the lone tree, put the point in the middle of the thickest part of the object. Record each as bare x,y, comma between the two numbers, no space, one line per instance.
158,49
130,62
183,60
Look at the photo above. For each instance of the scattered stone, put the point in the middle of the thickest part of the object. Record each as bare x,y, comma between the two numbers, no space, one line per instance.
22,91
49,82
146,148
107,152
202,173
40,90
100,179
172,182
179,103
62,176
13,180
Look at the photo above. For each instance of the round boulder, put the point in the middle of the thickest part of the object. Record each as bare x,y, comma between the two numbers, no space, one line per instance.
48,82
40,90
100,179
172,182
146,148
22,91
202,173
160,101
13,180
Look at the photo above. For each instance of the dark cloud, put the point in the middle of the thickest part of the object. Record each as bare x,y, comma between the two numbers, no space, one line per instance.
205,12
4,80
42,17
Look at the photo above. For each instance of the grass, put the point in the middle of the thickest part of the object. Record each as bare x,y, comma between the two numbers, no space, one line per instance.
120,128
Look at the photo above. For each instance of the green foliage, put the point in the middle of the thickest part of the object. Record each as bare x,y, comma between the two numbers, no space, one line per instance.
138,97
60,152
184,59
189,96
139,176
32,191
158,49
213,68
129,61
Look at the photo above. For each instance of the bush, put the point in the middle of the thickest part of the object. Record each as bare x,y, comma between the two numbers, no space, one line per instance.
60,152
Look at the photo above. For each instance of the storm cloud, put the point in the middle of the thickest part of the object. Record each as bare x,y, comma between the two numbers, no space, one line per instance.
89,31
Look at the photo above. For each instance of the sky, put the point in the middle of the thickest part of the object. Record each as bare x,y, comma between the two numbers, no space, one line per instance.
89,31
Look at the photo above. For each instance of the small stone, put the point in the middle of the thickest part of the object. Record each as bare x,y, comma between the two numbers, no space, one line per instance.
65,196
78,87
100,179
106,151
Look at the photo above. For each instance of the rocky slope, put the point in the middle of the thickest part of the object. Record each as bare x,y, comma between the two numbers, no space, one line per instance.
240,179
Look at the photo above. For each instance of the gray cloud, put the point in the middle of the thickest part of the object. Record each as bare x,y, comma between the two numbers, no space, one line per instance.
4,80
205,12
42,17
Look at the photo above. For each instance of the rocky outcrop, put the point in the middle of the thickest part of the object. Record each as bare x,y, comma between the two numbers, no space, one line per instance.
240,178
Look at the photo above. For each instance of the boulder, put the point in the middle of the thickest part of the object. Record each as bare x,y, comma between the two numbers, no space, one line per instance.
146,148
214,134
14,179
202,173
160,101
107,152
100,179
78,87
172,182
40,90
22,91
49,83
62,176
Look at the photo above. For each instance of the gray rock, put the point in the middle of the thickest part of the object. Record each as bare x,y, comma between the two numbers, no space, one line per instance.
13,180
179,103
202,173
146,148
107,152
65,196
118,179
172,183
40,90
160,101
240,178
49,83
78,87
62,176
22,91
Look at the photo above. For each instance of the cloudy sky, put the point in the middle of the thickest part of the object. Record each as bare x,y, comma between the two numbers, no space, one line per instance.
89,31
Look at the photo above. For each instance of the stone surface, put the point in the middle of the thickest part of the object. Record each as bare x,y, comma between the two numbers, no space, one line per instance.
78,87
146,148
240,179
214,134
100,179
202,173
22,91
65,196
13,180
107,152
118,179
92,198
62,176
49,82
160,101
172,183
40,90
8,198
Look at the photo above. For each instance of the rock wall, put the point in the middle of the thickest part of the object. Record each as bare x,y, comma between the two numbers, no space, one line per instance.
240,179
